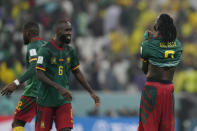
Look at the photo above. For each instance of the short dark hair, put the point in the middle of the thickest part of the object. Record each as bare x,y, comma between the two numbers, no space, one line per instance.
166,28
33,27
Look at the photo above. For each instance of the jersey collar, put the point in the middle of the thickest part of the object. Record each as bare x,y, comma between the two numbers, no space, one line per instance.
36,38
53,43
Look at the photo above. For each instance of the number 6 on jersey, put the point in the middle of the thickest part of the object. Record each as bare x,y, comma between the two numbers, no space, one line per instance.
60,70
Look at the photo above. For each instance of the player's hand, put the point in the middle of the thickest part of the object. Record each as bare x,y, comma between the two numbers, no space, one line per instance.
8,89
96,99
65,93
148,34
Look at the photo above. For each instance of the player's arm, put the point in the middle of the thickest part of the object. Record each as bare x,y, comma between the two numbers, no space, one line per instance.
41,68
63,91
148,35
144,56
80,77
8,89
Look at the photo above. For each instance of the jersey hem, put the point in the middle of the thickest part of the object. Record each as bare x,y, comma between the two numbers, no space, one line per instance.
39,103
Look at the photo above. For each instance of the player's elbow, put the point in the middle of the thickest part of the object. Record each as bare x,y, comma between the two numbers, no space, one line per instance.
145,71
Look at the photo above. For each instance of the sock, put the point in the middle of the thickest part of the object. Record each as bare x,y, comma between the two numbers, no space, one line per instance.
19,128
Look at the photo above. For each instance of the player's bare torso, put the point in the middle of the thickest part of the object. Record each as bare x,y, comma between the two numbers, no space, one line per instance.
161,73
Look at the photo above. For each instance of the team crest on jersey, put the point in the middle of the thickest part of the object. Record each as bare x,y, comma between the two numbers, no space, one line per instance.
68,59
53,60
42,124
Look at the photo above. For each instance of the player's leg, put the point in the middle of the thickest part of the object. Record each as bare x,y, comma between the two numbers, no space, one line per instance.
18,125
149,110
168,120
64,119
25,111
44,118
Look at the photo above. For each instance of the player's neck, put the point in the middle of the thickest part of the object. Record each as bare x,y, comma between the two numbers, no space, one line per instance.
59,43
35,38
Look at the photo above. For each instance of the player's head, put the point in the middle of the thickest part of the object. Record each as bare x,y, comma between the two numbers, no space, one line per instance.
166,28
30,30
63,30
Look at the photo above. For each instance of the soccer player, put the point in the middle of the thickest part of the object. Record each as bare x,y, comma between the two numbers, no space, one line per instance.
56,60
161,53
26,108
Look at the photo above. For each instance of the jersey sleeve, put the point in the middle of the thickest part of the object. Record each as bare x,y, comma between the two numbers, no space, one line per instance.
74,61
32,54
144,50
42,61
31,59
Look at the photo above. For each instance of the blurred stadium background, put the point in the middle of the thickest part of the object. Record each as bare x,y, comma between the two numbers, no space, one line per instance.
107,35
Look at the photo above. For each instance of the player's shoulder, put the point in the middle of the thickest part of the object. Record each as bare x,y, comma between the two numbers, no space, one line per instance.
146,43
36,44
178,42
44,46
69,48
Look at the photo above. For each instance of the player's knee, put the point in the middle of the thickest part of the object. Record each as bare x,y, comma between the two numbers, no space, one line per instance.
16,123
65,129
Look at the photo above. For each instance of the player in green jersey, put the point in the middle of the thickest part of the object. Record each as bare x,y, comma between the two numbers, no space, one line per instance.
26,108
161,53
56,60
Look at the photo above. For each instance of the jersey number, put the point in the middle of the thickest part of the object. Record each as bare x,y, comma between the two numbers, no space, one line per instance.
169,53
18,107
60,70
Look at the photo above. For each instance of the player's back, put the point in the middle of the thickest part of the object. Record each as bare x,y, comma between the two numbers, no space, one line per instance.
162,57
31,58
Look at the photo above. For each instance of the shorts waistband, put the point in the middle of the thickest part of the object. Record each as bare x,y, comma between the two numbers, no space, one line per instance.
158,80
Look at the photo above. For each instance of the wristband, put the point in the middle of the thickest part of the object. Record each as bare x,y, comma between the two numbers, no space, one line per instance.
17,82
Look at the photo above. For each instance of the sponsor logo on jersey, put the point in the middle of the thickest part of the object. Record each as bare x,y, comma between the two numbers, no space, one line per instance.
61,59
68,59
53,60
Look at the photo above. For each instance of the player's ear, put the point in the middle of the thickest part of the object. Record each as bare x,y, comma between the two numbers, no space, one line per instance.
29,34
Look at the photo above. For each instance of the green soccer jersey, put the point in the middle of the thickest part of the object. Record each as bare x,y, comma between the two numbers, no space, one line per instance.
32,83
161,54
56,63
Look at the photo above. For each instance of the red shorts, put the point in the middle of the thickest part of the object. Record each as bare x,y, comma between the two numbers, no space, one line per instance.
62,116
25,109
157,107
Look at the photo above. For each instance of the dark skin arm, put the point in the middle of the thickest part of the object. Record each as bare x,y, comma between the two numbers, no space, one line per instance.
9,88
80,77
63,91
